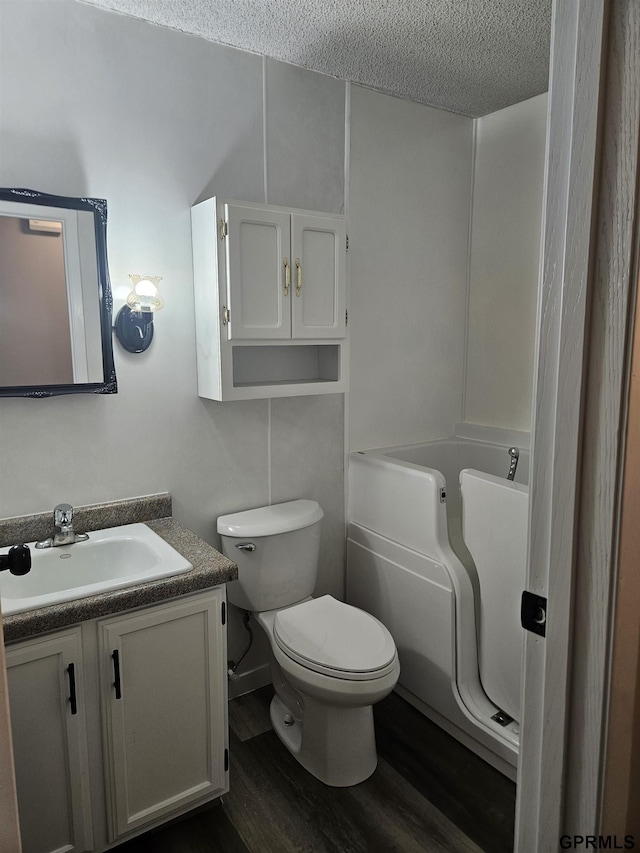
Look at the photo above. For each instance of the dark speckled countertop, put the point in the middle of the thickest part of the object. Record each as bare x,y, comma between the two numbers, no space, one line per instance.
210,568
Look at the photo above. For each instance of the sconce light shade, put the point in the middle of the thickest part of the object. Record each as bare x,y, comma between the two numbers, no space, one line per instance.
134,321
145,296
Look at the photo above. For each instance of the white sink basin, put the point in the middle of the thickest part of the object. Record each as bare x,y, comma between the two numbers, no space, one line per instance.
110,559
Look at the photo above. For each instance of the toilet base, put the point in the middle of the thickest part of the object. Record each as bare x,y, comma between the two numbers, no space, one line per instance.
337,745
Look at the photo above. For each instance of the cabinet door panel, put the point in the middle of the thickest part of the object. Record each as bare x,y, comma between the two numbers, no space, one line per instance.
257,243
49,745
319,272
166,732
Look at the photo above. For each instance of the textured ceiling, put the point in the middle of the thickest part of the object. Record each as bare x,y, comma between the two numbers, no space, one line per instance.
467,56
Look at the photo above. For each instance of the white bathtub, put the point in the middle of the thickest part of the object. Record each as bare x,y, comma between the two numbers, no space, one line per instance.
407,564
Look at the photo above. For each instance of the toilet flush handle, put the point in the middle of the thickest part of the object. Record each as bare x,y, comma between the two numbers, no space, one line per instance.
245,546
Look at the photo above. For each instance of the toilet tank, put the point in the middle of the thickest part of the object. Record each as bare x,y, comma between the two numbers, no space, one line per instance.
276,548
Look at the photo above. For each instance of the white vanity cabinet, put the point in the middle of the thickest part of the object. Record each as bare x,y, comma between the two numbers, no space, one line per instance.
48,723
148,727
270,292
164,709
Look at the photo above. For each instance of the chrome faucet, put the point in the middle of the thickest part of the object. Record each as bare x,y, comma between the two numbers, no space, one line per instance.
64,533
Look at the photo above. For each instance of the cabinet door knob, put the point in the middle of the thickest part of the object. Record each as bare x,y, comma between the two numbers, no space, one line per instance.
287,276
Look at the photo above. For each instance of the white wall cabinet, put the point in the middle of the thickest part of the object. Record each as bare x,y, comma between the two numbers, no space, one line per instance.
48,723
152,695
270,292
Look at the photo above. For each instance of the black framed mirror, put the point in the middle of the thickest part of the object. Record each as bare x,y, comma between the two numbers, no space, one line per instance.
55,296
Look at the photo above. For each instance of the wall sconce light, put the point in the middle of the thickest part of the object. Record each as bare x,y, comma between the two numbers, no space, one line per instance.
134,321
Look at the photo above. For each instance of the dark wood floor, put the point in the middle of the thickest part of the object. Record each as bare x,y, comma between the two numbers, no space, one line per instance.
428,793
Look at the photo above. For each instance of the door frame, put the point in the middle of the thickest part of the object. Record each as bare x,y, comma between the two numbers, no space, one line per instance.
583,331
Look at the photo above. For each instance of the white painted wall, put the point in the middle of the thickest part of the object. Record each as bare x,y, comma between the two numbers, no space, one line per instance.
93,103
410,190
504,262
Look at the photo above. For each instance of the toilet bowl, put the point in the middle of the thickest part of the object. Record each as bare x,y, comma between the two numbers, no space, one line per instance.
330,662
332,731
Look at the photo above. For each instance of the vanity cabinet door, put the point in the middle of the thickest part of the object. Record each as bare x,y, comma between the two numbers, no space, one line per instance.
164,709
47,705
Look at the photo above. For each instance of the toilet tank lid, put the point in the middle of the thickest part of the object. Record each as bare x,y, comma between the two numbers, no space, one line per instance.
270,520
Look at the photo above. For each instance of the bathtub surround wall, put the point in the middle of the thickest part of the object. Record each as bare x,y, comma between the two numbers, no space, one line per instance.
409,197
445,242
503,264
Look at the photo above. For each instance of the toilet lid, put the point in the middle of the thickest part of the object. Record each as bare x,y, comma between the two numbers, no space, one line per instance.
336,639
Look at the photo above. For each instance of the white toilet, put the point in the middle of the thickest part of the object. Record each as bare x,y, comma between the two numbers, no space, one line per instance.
329,661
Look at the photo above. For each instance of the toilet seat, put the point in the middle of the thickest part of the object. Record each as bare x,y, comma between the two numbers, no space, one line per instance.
335,639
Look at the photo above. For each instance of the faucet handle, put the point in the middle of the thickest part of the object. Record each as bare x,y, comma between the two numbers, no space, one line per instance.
63,515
